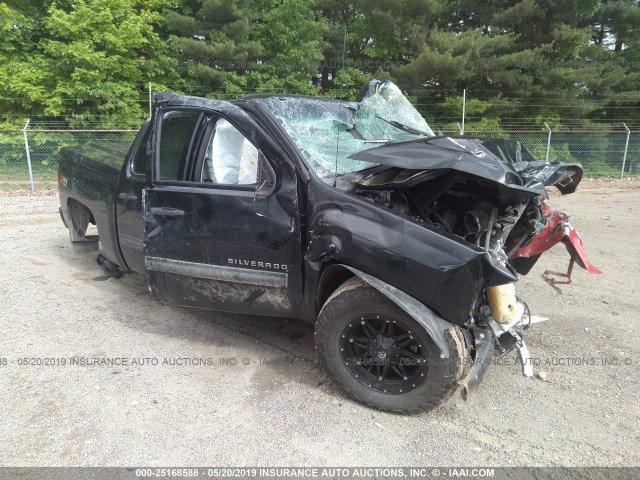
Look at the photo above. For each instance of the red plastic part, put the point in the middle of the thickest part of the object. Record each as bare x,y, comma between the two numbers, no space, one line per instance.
574,246
558,230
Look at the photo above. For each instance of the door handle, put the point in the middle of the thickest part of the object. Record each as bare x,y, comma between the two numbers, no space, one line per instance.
128,197
167,212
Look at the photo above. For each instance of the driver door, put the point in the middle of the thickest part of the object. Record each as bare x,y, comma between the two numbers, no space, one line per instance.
221,222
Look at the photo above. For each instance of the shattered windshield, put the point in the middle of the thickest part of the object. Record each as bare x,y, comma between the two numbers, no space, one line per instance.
328,131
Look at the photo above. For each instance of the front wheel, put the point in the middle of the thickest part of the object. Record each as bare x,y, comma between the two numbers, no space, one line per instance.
381,356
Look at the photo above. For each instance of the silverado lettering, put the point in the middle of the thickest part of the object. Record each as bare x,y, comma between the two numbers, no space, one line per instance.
254,263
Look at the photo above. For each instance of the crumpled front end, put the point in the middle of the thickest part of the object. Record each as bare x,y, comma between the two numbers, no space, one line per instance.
450,221
556,230
491,194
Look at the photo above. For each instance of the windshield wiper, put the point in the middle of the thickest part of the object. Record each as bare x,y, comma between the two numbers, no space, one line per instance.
405,128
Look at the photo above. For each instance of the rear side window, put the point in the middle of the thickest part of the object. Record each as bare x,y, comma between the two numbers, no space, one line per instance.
177,135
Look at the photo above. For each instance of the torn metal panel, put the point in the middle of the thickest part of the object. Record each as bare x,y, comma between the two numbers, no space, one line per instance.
446,153
564,176
476,156
439,269
557,229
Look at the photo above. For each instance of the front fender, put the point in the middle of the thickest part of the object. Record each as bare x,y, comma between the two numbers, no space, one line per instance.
435,268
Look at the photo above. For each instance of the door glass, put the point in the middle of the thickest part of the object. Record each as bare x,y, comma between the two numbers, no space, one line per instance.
231,159
176,142
142,159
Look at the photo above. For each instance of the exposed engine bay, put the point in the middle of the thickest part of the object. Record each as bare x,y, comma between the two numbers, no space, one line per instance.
462,207
489,192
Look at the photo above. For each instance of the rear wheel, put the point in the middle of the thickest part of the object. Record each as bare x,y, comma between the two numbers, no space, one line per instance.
382,357
79,218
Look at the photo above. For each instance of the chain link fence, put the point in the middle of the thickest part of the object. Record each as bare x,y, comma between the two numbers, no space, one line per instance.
42,148
601,153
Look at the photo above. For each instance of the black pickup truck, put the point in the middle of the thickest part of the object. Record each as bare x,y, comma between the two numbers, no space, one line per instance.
400,245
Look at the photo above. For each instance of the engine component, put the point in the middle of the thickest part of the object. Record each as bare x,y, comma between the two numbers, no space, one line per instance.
476,221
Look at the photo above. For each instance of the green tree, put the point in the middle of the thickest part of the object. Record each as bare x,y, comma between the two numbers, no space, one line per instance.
211,38
529,59
102,53
86,60
374,36
564,62
240,45
23,75
290,32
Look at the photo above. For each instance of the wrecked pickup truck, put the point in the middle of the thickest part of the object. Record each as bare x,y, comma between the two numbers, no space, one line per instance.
401,246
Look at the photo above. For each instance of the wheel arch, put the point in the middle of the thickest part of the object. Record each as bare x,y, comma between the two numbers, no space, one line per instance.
433,323
332,277
73,201
79,216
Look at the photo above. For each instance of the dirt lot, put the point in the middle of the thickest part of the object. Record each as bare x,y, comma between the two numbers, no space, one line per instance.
280,408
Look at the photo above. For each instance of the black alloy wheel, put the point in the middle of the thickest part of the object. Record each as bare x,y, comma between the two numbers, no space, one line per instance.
384,354
381,356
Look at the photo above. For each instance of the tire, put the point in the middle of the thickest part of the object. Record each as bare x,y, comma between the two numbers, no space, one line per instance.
410,378
79,218
86,246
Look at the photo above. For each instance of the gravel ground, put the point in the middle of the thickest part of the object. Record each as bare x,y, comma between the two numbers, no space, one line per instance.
280,408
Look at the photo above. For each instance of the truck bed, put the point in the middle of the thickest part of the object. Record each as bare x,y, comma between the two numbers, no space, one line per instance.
90,174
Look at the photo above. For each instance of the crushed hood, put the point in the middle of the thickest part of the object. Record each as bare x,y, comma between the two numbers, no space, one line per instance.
506,162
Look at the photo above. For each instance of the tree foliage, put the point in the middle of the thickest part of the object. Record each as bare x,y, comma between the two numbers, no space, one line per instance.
84,60
566,62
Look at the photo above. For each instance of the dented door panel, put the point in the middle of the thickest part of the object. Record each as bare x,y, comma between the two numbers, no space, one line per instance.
219,231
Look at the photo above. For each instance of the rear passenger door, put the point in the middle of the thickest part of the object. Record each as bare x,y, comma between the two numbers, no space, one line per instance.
221,219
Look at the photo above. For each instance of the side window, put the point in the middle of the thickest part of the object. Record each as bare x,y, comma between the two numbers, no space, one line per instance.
230,158
176,141
141,164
